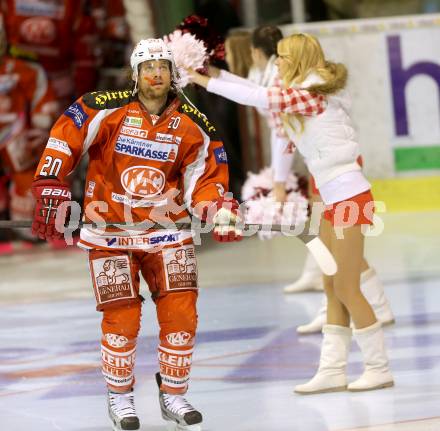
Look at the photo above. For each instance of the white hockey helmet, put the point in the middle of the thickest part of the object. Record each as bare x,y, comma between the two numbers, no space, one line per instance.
151,49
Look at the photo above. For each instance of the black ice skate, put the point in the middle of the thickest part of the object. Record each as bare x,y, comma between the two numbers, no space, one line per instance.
122,411
179,413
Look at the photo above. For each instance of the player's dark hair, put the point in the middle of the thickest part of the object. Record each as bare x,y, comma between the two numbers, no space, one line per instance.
266,38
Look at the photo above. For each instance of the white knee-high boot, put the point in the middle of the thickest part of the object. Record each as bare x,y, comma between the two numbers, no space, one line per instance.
310,279
331,375
318,322
377,374
372,289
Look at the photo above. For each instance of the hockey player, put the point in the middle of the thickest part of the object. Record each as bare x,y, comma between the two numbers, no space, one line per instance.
150,152
311,105
61,36
27,111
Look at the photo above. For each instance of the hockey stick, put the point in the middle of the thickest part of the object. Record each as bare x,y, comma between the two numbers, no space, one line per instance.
316,247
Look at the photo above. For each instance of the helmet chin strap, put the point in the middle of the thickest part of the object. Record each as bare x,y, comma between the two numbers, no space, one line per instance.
135,89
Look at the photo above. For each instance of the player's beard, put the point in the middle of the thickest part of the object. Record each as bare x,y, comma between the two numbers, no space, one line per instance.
155,93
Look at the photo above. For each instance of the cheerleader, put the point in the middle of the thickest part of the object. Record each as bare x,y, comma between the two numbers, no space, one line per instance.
262,191
312,107
311,279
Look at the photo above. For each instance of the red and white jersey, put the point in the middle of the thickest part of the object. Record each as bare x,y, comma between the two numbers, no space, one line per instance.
27,108
59,36
138,169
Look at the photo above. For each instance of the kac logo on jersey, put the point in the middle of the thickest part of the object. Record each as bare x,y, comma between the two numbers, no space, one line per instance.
40,30
143,181
179,338
116,340
220,155
77,114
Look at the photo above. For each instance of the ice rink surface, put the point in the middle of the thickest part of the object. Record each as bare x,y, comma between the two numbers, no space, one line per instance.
248,357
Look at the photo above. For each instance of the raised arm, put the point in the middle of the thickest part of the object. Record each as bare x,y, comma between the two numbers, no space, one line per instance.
244,94
224,75
275,99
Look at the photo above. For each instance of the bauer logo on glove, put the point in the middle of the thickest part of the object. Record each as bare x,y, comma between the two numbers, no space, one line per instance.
49,193
57,192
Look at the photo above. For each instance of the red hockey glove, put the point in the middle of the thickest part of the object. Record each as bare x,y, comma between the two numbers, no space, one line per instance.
226,219
49,193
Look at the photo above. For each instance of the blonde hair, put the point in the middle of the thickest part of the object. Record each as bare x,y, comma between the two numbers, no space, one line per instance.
304,54
238,47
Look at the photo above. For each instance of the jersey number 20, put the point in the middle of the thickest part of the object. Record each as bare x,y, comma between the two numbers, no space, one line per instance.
51,167
174,123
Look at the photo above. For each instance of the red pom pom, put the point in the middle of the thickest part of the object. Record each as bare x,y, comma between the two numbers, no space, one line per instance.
198,26
193,21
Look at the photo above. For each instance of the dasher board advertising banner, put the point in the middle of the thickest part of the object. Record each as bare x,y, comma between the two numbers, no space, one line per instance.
394,80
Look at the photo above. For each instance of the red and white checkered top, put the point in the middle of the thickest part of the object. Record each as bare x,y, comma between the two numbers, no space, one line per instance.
292,101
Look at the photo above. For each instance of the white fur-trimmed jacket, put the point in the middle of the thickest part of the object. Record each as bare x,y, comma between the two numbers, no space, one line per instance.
328,142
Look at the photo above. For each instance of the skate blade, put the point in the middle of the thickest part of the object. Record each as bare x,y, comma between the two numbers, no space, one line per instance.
374,388
173,426
322,391
117,428
322,255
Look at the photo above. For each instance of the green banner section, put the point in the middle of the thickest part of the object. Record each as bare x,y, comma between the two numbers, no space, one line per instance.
417,158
